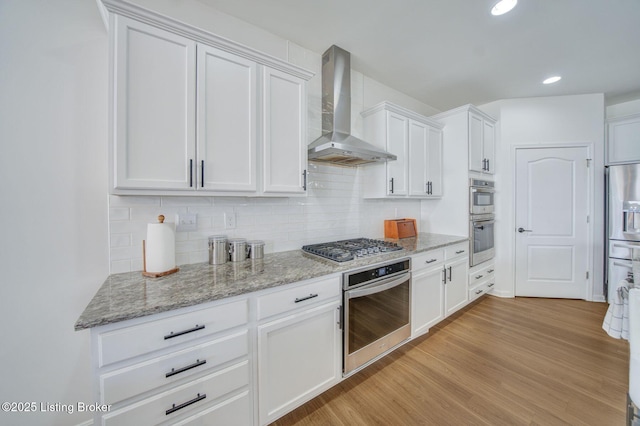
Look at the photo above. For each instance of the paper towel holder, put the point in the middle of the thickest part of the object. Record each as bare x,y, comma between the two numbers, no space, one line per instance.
144,260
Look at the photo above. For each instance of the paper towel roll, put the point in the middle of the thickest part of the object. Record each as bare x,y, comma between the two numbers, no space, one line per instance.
160,247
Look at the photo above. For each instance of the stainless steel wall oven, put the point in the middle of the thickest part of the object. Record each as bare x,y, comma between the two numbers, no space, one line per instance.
481,234
481,194
377,311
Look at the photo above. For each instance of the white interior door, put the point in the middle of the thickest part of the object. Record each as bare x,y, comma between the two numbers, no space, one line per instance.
551,222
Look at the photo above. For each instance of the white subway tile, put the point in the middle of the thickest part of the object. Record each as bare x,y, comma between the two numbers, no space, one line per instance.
120,240
119,213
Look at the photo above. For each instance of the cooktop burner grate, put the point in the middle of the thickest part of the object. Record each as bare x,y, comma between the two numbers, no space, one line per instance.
345,250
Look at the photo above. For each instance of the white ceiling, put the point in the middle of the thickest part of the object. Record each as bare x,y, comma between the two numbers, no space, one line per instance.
447,53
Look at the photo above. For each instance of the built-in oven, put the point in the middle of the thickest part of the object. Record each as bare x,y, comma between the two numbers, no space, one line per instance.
481,193
482,235
377,312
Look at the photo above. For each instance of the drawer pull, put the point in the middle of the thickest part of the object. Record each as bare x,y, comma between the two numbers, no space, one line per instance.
478,291
489,271
173,371
479,276
180,333
311,296
430,260
460,251
491,284
185,404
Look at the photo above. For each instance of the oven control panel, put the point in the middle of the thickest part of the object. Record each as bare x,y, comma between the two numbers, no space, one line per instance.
380,271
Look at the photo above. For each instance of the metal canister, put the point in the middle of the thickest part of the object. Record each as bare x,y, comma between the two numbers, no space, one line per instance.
218,253
237,249
255,249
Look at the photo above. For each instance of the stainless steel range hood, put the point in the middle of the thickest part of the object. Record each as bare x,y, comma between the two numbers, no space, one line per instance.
337,145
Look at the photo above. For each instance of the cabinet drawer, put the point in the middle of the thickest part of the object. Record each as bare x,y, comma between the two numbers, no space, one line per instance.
427,260
456,251
236,410
298,297
128,342
481,289
126,382
479,275
188,398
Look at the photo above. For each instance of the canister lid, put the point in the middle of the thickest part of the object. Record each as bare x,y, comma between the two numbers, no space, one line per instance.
217,237
237,240
255,243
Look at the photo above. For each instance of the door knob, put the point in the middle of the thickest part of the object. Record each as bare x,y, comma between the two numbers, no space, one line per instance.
521,230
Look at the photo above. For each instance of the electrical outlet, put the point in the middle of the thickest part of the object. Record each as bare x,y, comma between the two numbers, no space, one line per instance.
229,220
186,222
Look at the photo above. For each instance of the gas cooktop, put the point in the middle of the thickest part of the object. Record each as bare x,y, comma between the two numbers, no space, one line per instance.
345,250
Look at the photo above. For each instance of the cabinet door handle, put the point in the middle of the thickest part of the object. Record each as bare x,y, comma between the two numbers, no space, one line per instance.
430,260
191,173
173,371
488,167
478,291
185,404
304,180
460,252
426,187
491,284
449,273
479,276
444,275
391,181
180,333
202,174
489,271
339,317
302,299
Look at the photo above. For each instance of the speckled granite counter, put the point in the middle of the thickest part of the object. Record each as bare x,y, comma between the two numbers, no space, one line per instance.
130,295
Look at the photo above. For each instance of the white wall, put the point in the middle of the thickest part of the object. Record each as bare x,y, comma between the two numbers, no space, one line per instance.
545,121
624,108
53,168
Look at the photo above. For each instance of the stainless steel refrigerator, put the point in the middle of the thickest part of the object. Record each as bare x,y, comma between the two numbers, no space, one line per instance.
623,221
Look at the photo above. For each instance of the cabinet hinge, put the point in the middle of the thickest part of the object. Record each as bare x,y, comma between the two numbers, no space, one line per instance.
588,162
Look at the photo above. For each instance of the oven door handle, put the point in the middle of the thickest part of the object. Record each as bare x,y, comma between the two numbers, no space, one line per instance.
383,286
480,223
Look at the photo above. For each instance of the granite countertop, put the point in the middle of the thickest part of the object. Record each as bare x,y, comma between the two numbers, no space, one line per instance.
131,295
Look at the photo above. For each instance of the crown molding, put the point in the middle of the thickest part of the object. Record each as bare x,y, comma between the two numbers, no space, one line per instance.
388,106
463,109
124,8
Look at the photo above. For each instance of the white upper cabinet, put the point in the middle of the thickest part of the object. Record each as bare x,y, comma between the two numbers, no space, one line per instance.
154,88
416,141
197,114
227,121
481,143
397,139
284,147
623,139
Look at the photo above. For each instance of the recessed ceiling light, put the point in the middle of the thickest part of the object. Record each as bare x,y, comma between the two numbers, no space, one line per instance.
551,80
503,6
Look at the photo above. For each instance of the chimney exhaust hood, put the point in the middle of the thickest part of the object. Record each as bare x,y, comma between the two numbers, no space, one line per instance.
337,145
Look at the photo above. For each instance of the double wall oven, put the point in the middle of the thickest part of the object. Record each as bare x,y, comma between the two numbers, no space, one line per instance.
376,314
481,221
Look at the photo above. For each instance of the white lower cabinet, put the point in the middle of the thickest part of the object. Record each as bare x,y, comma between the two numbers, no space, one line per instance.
481,280
299,355
456,277
164,368
439,285
427,291
188,398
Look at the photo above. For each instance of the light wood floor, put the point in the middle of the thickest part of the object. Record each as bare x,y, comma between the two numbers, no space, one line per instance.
522,361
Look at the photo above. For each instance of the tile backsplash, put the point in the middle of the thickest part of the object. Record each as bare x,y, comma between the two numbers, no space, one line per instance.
333,209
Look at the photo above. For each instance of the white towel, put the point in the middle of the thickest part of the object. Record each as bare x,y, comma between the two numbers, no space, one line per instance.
616,321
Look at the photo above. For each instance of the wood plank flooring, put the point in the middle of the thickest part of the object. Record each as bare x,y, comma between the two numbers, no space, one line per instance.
522,361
